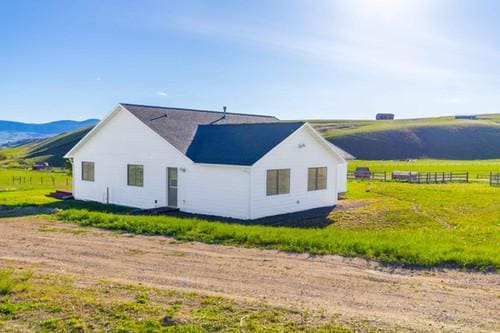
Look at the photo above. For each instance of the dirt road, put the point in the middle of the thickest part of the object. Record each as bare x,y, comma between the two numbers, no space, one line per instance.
352,288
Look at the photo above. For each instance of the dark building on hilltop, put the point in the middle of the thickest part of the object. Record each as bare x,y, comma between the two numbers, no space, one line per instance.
465,116
385,116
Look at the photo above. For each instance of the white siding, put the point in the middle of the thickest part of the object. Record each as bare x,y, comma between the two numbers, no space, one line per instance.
342,177
202,189
125,140
288,155
229,191
218,190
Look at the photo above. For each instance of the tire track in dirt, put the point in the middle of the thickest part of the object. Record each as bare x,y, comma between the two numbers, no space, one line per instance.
354,289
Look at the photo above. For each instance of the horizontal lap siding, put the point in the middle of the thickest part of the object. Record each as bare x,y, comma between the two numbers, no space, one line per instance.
125,140
218,190
342,177
288,155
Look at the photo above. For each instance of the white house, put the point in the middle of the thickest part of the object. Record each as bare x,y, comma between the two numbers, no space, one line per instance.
206,162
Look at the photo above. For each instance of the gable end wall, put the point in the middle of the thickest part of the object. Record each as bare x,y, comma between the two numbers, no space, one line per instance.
288,155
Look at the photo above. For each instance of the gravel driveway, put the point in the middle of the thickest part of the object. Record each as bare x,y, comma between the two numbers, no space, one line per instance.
354,289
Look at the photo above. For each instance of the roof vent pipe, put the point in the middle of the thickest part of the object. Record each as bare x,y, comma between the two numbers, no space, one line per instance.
162,116
224,108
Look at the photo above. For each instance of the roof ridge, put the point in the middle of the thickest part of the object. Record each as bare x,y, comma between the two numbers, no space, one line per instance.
196,110
268,123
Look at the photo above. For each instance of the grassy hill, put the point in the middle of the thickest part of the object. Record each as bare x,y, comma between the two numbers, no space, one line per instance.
50,150
12,133
438,138
434,138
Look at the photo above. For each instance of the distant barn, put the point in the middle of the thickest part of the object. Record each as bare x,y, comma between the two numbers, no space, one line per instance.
467,117
41,166
385,116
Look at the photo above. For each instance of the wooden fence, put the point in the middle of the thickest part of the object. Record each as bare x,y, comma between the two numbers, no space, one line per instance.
41,180
494,179
381,176
413,177
439,177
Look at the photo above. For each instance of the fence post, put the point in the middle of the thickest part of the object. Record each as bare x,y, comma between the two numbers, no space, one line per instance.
467,177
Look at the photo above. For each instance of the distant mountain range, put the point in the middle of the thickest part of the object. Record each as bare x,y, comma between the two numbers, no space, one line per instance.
13,134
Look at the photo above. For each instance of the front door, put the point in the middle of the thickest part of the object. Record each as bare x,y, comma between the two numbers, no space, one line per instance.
172,187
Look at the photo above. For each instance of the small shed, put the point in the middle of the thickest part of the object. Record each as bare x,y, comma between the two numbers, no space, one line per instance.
41,166
385,116
404,175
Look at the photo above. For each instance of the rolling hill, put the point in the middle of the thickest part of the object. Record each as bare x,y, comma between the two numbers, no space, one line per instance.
436,138
13,134
50,150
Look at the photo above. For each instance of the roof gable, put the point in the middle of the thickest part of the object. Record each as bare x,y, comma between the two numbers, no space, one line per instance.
242,144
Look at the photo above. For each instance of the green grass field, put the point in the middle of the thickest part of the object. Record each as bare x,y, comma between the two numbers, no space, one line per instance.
479,167
424,225
21,179
31,302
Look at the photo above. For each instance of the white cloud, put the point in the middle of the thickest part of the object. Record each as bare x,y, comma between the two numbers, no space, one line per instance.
162,93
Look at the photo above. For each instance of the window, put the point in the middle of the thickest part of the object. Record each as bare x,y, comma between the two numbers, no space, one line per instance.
135,175
278,181
88,171
316,179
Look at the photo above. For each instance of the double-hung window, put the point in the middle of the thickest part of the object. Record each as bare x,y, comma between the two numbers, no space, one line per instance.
135,175
316,179
278,181
88,171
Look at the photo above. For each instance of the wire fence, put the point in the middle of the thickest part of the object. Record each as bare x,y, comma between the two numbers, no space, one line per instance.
41,180
494,179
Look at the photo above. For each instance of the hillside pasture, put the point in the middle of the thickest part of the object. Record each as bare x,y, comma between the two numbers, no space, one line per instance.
50,150
438,138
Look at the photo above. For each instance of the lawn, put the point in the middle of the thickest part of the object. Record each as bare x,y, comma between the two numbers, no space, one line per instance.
481,167
21,179
32,302
424,225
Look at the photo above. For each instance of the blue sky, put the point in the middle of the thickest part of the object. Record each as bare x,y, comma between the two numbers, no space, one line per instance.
293,59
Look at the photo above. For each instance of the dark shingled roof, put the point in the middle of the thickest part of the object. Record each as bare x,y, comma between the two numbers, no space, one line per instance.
242,144
211,137
178,126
